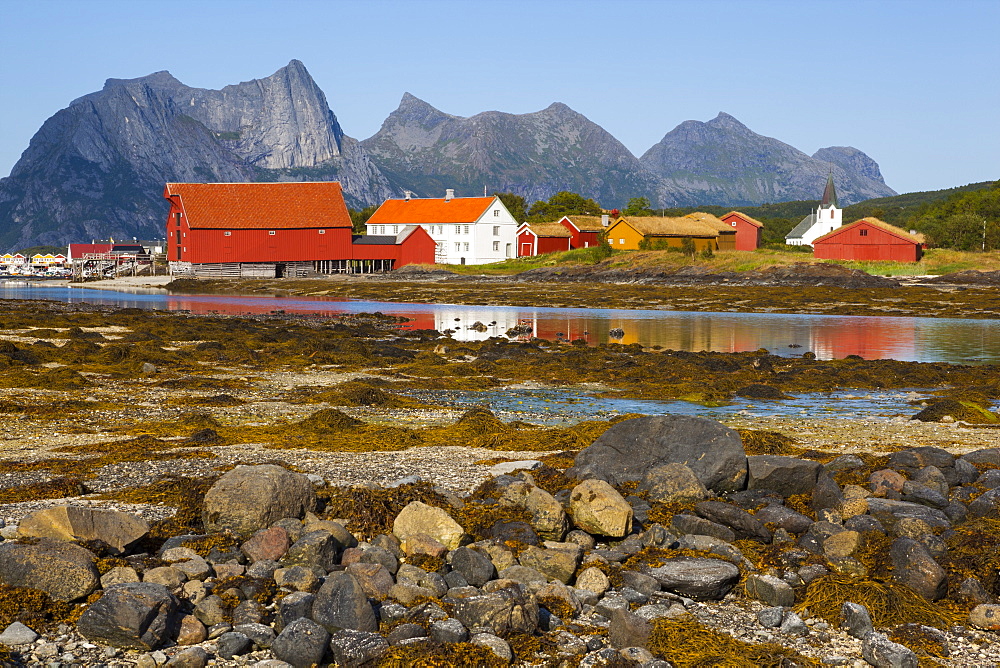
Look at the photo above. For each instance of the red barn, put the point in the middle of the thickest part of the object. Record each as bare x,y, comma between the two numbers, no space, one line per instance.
540,238
256,229
869,239
748,231
585,230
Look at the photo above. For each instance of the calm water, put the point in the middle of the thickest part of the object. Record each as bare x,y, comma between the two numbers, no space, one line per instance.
829,337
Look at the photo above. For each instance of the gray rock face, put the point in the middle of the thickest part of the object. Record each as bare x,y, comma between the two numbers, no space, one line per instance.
881,652
356,648
722,160
17,634
505,611
785,475
302,643
740,521
475,567
770,590
534,155
672,483
134,615
62,570
913,566
341,603
97,167
630,448
856,620
697,578
249,498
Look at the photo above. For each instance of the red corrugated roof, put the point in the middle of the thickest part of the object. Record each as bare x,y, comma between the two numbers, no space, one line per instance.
257,206
76,250
424,211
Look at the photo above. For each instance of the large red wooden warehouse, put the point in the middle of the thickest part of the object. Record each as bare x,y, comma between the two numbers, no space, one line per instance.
869,239
276,230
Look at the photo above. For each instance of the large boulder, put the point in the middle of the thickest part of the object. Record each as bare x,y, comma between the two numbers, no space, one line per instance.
117,529
913,566
547,515
672,483
599,509
250,498
62,570
630,448
420,518
134,615
698,578
785,475
302,643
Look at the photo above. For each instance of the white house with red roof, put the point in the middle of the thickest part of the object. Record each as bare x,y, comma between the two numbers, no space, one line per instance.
465,230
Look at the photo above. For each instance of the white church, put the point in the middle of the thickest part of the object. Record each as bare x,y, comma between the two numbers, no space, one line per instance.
826,219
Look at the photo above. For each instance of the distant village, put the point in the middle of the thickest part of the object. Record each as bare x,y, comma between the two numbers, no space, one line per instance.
301,229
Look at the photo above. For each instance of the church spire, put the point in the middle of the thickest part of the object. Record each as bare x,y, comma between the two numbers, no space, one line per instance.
829,194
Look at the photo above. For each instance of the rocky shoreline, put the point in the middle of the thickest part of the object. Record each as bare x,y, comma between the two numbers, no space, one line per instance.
124,429
538,566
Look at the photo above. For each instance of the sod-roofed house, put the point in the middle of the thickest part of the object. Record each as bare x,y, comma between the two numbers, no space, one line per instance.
656,232
869,239
727,234
749,232
541,238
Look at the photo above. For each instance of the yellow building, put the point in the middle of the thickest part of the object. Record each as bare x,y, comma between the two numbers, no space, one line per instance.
628,233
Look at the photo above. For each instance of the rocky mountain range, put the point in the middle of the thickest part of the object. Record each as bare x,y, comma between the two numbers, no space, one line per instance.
97,168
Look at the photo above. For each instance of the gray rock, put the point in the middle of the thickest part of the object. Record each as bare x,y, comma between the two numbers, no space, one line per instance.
233,644
697,578
211,610
642,583
318,549
988,456
374,579
62,570
554,564
475,567
262,635
495,644
382,556
356,648
17,634
672,483
509,610
404,632
986,505
740,521
76,523
784,517
785,475
249,498
630,448
826,493
135,615
843,463
299,578
692,524
296,605
971,590
913,566
854,619
341,603
448,631
302,643
510,467
771,618
770,590
192,657
881,652
793,625
915,492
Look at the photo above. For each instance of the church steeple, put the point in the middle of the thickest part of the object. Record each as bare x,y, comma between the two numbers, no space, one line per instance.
829,194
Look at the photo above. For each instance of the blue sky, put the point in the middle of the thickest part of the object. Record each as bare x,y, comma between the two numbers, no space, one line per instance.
910,82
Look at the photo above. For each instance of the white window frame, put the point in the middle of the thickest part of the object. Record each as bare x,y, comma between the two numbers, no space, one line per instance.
271,233
227,233
322,231
496,246
496,230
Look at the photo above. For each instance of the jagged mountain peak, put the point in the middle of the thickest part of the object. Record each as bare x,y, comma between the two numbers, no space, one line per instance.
161,79
726,121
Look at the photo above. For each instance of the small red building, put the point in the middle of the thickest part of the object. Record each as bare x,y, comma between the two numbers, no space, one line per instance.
749,232
540,238
585,230
869,239
413,245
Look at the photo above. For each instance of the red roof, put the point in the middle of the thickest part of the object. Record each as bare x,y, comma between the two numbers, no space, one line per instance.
76,250
897,232
258,206
424,211
744,217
